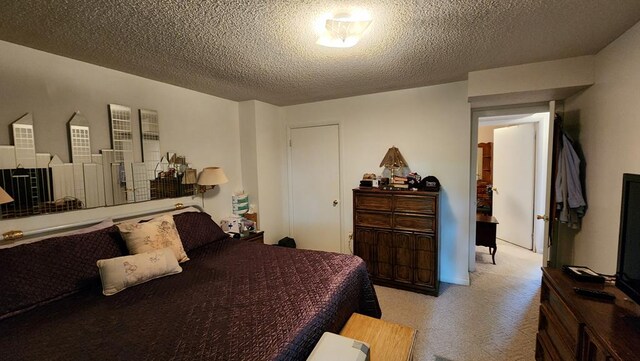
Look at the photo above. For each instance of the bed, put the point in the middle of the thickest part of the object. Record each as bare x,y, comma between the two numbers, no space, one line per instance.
234,300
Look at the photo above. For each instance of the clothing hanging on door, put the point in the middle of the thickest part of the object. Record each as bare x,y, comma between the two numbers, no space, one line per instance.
569,197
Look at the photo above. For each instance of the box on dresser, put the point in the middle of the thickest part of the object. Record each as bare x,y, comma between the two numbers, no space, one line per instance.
396,232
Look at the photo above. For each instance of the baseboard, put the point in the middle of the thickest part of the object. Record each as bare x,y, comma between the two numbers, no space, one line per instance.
456,280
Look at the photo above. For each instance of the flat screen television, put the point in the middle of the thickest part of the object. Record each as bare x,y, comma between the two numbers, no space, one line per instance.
628,272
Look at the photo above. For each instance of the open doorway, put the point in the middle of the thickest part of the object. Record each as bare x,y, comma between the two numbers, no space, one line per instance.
511,179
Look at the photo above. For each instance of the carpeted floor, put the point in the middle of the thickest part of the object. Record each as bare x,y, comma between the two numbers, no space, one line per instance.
495,318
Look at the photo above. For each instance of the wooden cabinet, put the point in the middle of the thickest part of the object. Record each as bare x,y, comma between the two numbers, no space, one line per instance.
574,327
485,171
487,161
396,234
170,187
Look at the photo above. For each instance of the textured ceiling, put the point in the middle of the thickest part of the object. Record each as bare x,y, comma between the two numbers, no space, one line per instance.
265,50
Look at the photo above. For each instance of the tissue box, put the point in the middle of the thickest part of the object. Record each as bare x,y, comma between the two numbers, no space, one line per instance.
332,347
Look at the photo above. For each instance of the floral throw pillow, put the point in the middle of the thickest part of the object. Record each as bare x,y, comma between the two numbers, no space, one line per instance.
158,233
120,273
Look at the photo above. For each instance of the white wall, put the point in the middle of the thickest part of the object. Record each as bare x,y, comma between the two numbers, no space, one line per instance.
530,83
431,127
485,133
606,120
204,128
248,153
264,166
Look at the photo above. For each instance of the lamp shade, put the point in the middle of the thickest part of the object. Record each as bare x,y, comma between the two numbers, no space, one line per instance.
393,159
4,197
212,176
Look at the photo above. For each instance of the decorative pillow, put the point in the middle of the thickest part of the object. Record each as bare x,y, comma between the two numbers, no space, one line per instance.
158,233
120,273
197,229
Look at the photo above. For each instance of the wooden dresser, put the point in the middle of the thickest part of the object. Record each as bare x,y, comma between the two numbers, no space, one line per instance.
396,233
575,327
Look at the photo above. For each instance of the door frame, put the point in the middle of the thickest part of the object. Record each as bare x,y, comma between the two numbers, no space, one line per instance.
345,245
476,114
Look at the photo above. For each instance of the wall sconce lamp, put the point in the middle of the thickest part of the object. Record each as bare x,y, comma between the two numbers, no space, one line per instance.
344,30
211,177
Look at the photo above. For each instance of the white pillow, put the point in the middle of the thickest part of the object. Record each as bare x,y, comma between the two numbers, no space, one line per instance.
121,272
158,233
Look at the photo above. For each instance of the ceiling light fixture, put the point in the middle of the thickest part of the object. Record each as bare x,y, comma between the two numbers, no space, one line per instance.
343,30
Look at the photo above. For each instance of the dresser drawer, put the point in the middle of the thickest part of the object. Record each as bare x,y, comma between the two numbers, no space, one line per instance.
373,219
373,202
544,349
415,204
565,318
412,222
558,340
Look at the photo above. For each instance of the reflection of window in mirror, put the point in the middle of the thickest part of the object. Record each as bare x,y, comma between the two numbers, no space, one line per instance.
150,135
122,145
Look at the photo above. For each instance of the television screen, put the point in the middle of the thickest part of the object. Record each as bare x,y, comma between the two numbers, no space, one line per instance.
628,273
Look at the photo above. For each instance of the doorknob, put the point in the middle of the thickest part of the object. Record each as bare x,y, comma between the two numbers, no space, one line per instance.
543,217
494,189
335,202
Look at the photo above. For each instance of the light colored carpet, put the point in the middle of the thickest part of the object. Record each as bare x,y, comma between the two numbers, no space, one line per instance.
495,318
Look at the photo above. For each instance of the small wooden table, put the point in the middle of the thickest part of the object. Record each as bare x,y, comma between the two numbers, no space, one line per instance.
388,341
486,233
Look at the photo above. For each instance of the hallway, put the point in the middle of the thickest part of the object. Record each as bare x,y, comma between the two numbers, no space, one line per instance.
495,318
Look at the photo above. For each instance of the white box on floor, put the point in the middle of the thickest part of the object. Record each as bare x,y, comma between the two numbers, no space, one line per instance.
332,347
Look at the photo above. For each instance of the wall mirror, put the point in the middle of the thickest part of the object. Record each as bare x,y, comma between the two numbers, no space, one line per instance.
41,183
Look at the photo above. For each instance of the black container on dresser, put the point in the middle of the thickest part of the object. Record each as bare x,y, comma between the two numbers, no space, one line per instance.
396,233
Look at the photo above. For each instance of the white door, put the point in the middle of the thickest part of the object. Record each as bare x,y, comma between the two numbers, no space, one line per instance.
315,187
513,177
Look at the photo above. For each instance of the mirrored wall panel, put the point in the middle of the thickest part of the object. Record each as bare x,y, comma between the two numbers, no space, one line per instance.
122,145
150,137
40,183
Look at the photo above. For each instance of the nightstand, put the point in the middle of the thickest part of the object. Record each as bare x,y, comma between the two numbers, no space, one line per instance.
254,236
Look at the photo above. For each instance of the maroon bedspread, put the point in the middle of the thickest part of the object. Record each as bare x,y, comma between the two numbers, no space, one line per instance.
234,300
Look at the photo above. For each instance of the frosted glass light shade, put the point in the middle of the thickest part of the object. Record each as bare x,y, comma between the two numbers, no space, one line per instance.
343,30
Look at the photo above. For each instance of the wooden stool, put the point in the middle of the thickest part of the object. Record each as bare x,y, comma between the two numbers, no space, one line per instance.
388,341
